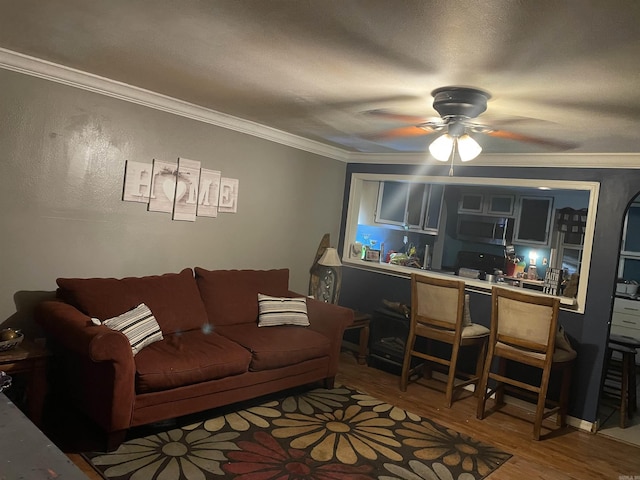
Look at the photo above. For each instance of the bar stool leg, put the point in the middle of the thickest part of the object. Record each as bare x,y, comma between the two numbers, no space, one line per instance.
561,417
624,391
633,401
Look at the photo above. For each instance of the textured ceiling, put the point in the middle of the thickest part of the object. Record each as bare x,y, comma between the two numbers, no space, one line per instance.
561,69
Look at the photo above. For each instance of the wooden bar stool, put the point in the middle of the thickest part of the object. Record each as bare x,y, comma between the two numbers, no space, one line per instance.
629,342
619,380
524,328
438,314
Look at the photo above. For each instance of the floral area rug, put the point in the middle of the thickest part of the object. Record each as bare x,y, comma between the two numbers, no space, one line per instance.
321,434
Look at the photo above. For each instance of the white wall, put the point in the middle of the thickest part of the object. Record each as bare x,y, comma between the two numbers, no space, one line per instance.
62,158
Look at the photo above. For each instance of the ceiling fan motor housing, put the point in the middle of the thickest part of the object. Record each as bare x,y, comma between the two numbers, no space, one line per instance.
459,101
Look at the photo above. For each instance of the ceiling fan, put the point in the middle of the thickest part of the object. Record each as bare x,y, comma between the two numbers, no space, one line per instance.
457,107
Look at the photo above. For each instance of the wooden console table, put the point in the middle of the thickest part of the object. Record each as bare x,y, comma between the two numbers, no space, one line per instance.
360,321
30,359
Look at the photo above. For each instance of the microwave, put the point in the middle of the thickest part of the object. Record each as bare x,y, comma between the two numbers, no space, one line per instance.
484,229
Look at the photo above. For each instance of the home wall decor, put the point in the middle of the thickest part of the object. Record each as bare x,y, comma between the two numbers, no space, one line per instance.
137,182
181,188
228,195
186,185
208,193
163,186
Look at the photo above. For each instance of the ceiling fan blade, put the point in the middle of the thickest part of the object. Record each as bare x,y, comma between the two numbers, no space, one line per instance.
396,116
413,131
518,137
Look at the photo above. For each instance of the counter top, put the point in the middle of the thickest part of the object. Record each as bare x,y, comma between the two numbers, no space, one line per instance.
627,297
475,284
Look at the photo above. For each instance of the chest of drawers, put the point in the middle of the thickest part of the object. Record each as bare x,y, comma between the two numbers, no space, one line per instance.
626,319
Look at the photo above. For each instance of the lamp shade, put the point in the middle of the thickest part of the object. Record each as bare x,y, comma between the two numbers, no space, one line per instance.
441,147
468,148
330,258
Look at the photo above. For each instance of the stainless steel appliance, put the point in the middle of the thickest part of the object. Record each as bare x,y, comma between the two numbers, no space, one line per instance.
485,229
482,263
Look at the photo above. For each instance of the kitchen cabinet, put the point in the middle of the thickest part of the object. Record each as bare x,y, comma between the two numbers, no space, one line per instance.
415,206
626,319
433,209
500,205
533,222
487,204
392,203
471,203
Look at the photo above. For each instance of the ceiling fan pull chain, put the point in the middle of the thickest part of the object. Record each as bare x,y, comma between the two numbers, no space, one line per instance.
453,154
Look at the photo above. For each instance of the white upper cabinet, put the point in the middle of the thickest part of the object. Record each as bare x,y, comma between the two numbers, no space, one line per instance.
415,206
487,204
533,222
502,205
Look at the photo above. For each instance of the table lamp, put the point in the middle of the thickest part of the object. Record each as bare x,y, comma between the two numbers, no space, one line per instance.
330,276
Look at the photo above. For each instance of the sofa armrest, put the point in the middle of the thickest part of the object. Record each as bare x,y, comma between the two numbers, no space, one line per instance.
331,320
74,330
102,369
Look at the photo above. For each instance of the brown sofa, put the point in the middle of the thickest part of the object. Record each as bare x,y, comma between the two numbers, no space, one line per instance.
213,352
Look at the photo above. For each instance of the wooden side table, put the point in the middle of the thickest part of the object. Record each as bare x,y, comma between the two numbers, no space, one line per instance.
360,321
30,359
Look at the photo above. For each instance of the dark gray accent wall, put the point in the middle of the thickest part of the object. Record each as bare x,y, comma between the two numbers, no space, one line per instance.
588,332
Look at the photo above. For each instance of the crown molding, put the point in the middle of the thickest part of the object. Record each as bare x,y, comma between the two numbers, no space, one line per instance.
543,160
36,67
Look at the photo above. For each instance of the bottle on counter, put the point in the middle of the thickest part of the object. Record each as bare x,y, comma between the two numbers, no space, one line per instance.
520,267
426,261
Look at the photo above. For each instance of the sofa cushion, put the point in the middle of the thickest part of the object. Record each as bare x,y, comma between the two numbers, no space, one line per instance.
231,296
276,347
173,298
282,311
188,358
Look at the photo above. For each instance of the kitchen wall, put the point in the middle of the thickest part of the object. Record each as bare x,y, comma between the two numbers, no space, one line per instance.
62,159
365,290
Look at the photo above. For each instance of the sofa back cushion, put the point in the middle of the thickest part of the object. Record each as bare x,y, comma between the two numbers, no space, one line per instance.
231,296
173,298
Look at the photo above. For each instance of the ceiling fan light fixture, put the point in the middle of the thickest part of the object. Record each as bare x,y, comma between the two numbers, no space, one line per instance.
468,148
442,147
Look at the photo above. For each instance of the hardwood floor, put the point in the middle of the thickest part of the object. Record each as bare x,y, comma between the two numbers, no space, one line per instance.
562,454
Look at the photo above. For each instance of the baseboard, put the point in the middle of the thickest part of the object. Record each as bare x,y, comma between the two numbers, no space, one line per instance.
578,423
575,422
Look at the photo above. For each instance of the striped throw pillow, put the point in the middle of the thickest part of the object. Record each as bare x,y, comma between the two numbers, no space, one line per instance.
282,311
139,325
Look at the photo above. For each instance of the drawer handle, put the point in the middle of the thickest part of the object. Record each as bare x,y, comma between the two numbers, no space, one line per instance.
629,322
632,309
